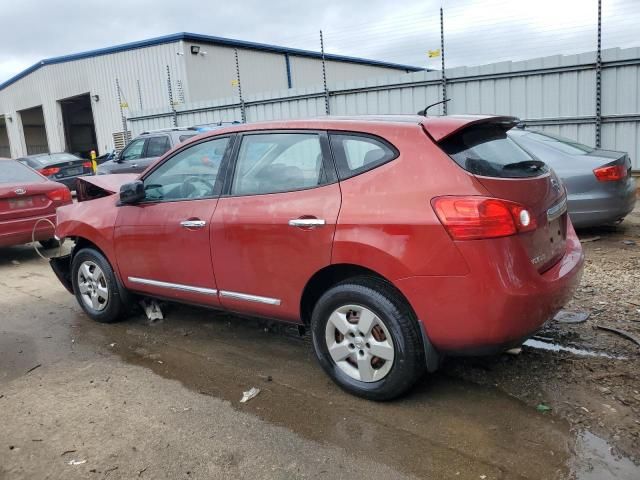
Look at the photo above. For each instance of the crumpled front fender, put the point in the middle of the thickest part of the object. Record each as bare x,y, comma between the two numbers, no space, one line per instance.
61,266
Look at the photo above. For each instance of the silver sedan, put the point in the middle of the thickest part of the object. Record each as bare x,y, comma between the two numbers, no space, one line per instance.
600,189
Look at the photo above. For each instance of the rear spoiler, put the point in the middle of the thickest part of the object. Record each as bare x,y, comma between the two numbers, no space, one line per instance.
97,186
439,128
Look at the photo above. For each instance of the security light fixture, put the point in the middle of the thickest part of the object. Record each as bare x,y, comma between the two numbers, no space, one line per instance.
96,98
195,49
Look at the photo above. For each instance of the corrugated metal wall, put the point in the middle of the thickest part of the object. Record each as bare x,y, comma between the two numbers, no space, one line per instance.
555,93
142,74
96,76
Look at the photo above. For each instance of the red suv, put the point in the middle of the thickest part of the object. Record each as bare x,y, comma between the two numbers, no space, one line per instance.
397,240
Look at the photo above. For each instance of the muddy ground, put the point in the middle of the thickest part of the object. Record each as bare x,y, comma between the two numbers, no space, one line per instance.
141,400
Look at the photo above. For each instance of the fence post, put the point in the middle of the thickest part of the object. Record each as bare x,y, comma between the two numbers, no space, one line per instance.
139,94
324,77
125,132
599,79
243,112
444,75
171,104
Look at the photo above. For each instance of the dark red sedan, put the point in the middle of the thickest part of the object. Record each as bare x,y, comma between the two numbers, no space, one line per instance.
396,240
28,200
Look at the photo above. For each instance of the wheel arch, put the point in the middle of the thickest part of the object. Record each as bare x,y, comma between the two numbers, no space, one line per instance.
83,243
333,274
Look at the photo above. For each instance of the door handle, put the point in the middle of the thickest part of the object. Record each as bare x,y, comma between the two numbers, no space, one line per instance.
193,223
307,222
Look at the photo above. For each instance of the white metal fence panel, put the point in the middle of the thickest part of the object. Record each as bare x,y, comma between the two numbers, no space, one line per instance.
555,93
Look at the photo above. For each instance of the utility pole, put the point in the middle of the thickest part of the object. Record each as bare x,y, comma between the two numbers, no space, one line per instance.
243,112
444,75
599,79
324,77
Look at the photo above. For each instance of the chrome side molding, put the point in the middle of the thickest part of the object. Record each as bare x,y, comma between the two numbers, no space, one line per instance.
249,298
173,286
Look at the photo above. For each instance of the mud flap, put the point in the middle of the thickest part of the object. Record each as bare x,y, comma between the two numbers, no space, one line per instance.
61,266
433,359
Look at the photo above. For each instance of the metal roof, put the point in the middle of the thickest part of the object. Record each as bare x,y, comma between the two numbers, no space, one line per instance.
196,37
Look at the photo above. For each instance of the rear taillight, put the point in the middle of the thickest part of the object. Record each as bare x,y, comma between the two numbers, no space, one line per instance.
610,173
473,218
60,195
47,172
86,164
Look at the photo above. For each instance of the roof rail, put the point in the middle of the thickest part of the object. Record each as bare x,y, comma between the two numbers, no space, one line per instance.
170,129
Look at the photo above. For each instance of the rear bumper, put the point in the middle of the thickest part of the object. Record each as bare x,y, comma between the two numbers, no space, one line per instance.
500,303
19,231
592,209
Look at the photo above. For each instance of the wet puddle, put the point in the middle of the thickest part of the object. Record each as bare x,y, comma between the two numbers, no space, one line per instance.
444,428
596,460
554,347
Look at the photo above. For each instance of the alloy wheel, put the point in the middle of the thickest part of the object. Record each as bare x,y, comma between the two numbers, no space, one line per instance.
359,343
93,286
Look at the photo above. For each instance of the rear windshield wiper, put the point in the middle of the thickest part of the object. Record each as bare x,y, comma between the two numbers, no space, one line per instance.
530,164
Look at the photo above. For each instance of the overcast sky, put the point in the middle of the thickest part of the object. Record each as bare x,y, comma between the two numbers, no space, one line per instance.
476,31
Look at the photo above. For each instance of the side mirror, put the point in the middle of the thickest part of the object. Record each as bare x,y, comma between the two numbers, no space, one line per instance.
132,193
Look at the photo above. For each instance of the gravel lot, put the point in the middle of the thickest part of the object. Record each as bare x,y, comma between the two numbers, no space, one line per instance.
140,400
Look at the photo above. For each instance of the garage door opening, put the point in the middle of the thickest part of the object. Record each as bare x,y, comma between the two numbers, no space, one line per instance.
5,147
35,133
79,128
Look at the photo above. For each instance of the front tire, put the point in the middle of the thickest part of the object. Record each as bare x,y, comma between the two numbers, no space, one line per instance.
367,339
96,287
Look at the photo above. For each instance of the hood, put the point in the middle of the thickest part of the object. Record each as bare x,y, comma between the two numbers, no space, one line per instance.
97,186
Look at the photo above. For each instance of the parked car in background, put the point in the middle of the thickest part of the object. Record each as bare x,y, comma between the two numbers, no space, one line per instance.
27,198
145,149
105,157
600,187
61,167
395,239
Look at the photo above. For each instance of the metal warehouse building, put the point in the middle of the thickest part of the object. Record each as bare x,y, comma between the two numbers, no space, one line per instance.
75,103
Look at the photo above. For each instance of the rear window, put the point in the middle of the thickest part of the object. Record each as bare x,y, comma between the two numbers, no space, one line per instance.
15,172
41,160
182,138
487,150
560,143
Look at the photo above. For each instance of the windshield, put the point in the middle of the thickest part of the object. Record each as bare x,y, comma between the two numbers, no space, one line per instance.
560,143
486,150
15,172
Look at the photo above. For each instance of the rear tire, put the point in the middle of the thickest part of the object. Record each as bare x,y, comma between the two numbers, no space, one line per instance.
367,339
96,287
50,243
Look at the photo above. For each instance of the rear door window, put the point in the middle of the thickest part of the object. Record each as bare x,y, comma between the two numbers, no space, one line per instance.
355,154
15,172
486,150
157,146
278,162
